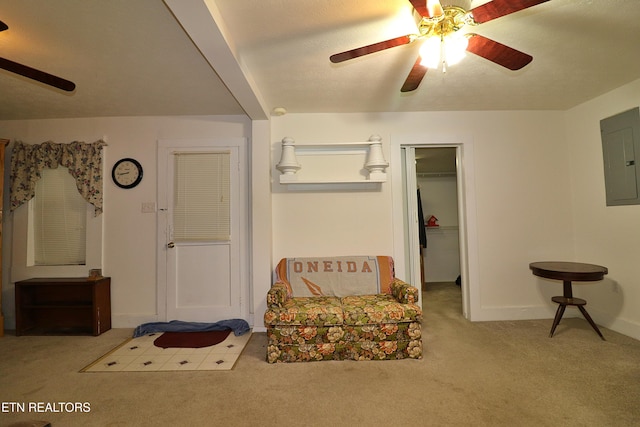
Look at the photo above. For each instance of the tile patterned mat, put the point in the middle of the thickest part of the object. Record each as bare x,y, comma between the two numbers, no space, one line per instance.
141,355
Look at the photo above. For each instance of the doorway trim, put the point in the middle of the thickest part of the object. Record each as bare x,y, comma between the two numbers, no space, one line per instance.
468,236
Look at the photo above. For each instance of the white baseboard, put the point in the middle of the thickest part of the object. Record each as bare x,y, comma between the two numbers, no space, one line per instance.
488,314
119,320
616,324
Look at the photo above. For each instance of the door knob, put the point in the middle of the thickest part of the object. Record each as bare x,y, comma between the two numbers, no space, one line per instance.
171,245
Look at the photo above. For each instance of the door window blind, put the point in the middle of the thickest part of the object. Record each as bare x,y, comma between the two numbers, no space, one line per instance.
59,220
202,191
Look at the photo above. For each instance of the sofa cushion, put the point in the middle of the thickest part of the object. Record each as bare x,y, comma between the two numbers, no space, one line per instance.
378,308
336,276
318,311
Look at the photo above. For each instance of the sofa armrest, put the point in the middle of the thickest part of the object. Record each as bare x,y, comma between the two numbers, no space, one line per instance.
277,295
404,292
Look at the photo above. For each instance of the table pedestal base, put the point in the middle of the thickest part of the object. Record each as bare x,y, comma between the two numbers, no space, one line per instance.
564,301
568,271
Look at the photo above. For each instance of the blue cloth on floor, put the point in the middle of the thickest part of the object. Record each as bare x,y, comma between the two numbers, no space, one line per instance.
238,326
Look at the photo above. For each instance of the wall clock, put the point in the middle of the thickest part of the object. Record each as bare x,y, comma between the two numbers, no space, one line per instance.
127,173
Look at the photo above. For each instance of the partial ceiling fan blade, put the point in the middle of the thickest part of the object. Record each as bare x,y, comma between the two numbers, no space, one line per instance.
3,26
365,50
496,52
422,7
37,75
497,8
415,76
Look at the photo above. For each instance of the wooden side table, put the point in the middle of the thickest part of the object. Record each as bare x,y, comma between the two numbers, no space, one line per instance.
568,272
63,306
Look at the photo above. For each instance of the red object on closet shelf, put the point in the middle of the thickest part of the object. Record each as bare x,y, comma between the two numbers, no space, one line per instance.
432,222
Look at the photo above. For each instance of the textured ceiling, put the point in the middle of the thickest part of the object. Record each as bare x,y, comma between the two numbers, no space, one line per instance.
436,160
132,58
127,58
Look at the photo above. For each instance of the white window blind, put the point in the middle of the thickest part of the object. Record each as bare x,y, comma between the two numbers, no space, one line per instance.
59,220
202,192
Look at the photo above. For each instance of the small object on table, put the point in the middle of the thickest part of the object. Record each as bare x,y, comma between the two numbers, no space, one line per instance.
568,272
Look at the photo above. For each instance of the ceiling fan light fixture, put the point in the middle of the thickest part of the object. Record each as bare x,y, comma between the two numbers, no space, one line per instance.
430,52
455,48
446,50
436,27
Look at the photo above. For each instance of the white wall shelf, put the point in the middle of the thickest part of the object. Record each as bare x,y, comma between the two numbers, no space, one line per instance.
332,164
443,228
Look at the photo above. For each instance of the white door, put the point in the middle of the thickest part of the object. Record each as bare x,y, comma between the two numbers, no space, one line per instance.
413,224
201,223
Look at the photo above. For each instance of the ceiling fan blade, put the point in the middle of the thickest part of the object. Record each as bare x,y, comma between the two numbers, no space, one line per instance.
365,50
423,6
415,76
497,8
37,75
3,26
496,52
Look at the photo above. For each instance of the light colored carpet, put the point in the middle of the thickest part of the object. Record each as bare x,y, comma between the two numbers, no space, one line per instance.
472,374
141,355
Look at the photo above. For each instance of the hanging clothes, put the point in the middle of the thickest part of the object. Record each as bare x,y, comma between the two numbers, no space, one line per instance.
422,231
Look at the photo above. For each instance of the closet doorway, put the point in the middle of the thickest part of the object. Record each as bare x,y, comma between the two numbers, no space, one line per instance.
437,182
405,210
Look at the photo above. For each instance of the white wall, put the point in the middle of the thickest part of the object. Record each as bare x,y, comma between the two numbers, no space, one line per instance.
608,236
522,193
439,196
442,256
129,235
539,194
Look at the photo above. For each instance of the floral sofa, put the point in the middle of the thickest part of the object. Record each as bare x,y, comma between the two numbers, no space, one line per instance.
341,308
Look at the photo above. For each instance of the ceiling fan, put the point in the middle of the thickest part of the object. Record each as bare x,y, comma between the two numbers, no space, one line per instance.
442,45
34,74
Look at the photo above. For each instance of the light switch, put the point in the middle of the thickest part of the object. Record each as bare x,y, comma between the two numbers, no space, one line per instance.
148,207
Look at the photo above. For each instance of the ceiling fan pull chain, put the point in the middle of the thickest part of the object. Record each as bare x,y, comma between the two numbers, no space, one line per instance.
443,54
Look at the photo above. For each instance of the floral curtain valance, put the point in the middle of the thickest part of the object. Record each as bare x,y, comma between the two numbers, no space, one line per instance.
83,160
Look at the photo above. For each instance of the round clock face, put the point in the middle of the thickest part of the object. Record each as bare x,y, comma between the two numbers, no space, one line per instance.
127,173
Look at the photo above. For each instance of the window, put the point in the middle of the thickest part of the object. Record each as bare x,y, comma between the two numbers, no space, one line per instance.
23,252
202,197
49,238
59,218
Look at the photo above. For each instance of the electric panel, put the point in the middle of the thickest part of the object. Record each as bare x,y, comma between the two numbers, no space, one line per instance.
620,144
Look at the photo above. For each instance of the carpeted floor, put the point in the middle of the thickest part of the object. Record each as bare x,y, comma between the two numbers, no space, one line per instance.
472,374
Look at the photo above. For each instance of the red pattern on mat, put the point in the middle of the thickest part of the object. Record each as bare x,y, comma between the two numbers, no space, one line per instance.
191,339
